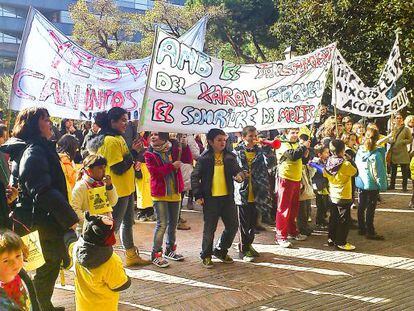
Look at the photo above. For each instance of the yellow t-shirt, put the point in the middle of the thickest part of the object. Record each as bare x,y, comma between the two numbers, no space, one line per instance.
250,157
289,169
219,186
114,149
94,287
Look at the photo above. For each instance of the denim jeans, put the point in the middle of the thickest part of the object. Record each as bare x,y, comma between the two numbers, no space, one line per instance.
213,209
167,218
123,214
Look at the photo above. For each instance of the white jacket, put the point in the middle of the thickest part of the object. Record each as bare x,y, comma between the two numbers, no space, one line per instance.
80,203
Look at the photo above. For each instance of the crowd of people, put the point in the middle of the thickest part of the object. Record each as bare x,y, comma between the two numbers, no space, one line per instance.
77,188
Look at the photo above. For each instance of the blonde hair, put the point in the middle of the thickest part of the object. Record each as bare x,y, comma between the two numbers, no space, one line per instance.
408,119
371,138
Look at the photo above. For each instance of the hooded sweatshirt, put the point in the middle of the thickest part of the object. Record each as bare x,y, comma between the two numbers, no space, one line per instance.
339,173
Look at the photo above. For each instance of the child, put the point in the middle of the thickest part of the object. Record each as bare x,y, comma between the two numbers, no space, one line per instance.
166,188
94,192
371,179
305,200
99,275
347,124
289,157
320,186
16,289
350,140
67,147
339,173
212,184
143,183
254,192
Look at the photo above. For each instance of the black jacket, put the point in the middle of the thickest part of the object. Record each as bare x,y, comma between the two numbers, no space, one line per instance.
202,175
43,200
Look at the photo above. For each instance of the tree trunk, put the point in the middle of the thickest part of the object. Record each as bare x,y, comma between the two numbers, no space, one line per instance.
257,46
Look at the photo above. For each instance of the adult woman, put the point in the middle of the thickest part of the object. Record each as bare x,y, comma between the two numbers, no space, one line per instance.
401,137
166,187
111,145
43,200
371,179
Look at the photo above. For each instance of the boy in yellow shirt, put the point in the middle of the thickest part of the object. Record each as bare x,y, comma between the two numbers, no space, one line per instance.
289,158
212,184
339,172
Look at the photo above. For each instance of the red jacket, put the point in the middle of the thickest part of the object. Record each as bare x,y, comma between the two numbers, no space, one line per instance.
158,170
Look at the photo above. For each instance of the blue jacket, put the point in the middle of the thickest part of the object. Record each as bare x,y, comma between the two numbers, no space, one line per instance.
372,173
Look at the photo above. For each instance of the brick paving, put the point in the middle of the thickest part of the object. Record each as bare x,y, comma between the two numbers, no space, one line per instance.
379,275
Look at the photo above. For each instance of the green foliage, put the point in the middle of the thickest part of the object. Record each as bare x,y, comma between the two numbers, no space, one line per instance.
243,25
364,32
5,89
101,28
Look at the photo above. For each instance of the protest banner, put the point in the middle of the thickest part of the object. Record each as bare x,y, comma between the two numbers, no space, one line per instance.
351,95
54,72
190,92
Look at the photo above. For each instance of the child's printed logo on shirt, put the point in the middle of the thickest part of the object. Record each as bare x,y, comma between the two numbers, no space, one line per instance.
98,201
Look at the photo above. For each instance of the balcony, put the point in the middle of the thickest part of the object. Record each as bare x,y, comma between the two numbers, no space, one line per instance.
40,4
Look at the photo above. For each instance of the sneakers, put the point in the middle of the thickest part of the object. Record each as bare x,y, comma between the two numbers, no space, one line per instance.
223,258
208,263
173,256
284,243
346,247
299,237
159,261
331,242
248,256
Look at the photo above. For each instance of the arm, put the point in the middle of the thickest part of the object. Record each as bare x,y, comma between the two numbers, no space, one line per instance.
80,200
116,277
195,150
196,180
112,195
154,168
123,166
295,154
35,175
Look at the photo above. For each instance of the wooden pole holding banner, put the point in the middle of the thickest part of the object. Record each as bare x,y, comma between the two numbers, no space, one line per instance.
22,47
334,99
144,100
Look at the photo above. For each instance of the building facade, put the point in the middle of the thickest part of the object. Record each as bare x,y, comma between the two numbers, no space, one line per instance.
13,17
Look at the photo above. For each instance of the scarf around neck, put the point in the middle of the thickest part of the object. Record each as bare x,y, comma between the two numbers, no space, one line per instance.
162,148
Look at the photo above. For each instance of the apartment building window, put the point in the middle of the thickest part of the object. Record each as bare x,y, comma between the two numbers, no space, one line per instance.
8,12
4,38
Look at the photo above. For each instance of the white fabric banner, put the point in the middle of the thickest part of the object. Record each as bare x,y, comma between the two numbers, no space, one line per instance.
351,94
54,72
190,92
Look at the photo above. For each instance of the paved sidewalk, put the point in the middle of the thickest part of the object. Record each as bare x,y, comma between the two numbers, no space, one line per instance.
379,275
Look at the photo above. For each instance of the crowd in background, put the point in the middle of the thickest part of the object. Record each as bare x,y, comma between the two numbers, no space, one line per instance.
81,183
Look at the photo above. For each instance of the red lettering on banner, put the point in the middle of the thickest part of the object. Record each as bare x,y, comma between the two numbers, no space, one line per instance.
17,80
